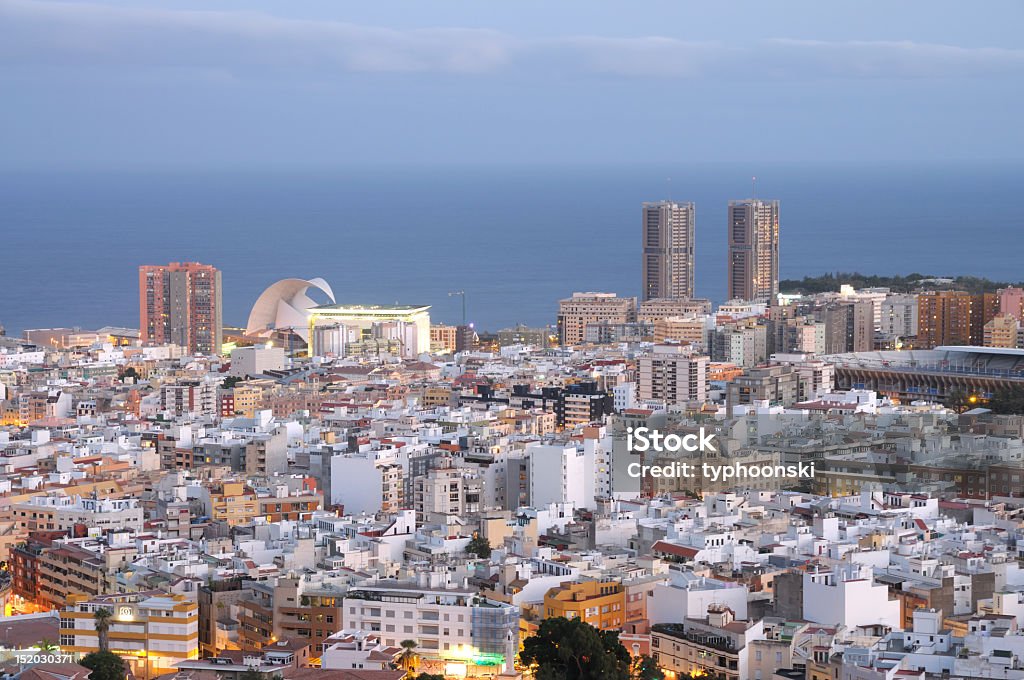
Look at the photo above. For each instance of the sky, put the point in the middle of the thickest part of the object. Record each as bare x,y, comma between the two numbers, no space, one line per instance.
219,83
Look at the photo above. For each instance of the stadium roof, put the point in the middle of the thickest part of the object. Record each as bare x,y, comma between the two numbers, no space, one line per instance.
975,349
951,359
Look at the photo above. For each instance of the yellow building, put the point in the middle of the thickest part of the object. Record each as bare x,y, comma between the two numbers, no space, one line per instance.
152,631
689,330
248,398
436,395
442,338
599,603
234,503
1001,332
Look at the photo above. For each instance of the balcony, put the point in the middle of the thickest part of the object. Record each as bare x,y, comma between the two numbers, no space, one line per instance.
718,643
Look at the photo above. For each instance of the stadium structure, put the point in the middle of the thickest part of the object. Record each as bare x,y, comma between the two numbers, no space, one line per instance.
931,374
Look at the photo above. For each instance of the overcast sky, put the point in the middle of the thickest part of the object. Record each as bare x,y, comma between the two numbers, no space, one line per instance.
300,83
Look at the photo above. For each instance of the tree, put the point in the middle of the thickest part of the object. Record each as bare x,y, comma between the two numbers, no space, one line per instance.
646,668
102,618
47,645
1007,400
571,649
429,676
408,658
231,381
251,674
130,372
959,401
479,546
104,665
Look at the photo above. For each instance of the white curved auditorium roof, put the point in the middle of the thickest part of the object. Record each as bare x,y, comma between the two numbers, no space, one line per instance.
286,305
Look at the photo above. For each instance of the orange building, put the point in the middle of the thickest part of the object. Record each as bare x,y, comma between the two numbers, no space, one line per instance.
723,371
599,603
234,503
953,317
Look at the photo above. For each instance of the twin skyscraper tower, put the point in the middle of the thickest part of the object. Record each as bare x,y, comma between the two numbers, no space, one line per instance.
668,250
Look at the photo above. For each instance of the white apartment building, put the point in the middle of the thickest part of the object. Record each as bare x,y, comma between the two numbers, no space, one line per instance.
448,490
190,397
848,596
56,512
561,473
687,595
366,482
256,360
446,622
624,396
348,649
898,316
673,375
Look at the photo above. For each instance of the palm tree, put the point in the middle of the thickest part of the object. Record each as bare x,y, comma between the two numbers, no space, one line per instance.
102,618
408,658
46,645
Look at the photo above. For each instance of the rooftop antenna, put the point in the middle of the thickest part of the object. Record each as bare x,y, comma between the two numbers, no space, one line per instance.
753,187
668,184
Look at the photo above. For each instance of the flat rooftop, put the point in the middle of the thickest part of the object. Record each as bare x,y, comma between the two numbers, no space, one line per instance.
368,309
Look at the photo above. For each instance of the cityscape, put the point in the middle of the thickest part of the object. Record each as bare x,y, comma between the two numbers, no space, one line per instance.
814,474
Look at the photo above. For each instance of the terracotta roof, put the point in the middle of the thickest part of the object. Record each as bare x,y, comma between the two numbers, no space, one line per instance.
673,549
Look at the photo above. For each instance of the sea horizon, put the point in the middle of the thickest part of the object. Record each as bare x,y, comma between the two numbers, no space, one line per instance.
516,238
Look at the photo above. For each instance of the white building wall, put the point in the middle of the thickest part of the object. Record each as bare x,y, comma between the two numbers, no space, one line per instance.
848,596
672,602
558,474
356,484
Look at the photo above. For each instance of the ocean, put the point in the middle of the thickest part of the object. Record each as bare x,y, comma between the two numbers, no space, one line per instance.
516,239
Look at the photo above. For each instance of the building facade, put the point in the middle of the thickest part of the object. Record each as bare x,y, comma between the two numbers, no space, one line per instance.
180,303
953,317
151,631
673,375
668,249
753,250
583,309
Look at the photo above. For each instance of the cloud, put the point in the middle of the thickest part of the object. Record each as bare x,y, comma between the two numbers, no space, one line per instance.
61,33
251,44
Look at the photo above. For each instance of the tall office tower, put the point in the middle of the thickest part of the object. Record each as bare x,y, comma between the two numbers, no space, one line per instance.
668,250
753,250
180,303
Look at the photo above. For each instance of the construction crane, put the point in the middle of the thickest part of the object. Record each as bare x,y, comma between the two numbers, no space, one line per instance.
462,294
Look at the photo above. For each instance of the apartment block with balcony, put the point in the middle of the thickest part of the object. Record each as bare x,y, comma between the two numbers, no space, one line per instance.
602,604
716,646
447,623
151,631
